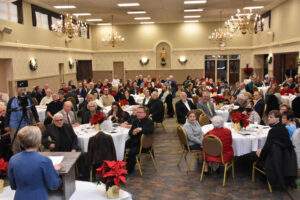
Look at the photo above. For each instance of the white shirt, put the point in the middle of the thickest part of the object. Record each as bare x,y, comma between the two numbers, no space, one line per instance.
186,103
45,100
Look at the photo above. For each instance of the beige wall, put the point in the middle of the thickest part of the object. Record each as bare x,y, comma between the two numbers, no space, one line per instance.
5,74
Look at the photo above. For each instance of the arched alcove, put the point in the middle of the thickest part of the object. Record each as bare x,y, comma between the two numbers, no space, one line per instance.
163,55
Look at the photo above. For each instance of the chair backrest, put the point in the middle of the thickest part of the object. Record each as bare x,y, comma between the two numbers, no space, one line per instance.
212,146
182,138
198,112
146,142
203,120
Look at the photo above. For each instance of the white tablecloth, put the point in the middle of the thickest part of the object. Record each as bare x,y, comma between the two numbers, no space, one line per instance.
41,110
263,89
138,98
244,144
125,108
84,191
225,110
119,136
287,99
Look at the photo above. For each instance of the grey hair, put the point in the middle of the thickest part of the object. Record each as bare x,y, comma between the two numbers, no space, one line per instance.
58,115
30,137
217,121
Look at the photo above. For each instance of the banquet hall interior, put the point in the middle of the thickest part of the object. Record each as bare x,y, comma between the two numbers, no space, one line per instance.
149,99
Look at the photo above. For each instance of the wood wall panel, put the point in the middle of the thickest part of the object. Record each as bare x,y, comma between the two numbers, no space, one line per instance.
101,75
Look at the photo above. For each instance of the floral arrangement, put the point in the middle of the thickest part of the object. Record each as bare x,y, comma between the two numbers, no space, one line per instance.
97,118
218,99
123,102
240,118
248,70
112,173
213,90
3,168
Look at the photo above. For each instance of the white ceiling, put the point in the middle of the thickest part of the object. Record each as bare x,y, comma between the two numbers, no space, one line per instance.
161,11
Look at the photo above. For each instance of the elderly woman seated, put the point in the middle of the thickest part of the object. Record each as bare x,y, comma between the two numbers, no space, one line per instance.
224,135
193,131
92,109
251,113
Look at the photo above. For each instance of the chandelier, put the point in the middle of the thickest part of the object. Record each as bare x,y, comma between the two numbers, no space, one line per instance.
221,35
245,22
113,38
69,26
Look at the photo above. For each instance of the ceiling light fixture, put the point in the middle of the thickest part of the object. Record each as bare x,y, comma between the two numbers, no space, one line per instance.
136,12
81,14
142,18
191,21
113,38
147,22
194,10
192,16
65,7
94,20
104,24
128,4
195,2
253,7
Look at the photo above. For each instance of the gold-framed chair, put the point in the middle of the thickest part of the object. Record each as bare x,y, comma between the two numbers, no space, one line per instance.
213,146
255,168
146,147
185,147
203,119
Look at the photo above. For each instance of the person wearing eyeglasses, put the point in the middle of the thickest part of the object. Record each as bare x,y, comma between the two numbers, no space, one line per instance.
60,136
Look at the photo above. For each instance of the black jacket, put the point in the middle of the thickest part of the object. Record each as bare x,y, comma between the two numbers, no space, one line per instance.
272,103
147,129
259,107
296,106
157,110
181,110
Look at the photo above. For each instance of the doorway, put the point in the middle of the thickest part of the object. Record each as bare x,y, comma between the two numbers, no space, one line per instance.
6,73
118,72
285,65
84,70
61,71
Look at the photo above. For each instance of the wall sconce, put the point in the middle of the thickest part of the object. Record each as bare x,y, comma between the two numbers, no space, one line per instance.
270,58
144,60
33,64
182,59
71,63
5,29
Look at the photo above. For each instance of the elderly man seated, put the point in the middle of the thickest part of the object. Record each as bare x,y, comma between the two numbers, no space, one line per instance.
69,116
183,106
60,136
92,109
106,98
206,105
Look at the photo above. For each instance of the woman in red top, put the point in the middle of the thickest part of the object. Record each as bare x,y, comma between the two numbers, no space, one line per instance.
286,90
224,135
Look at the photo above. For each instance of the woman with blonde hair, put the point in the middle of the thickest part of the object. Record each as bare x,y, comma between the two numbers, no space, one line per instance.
30,173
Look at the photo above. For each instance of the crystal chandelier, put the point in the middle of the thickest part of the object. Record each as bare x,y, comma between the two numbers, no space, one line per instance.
69,26
245,22
221,35
113,38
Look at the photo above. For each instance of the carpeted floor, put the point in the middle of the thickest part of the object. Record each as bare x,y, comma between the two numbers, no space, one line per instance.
171,182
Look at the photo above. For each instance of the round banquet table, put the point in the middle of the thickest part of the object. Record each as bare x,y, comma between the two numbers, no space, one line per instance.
225,110
84,190
138,98
245,141
118,134
41,110
126,108
264,89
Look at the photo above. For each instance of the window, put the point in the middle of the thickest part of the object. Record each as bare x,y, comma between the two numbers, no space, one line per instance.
42,20
8,11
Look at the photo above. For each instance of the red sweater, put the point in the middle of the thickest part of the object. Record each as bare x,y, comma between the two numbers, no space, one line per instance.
288,91
224,135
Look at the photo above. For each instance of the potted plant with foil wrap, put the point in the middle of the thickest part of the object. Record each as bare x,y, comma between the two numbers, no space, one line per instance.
97,119
3,172
248,71
239,120
113,175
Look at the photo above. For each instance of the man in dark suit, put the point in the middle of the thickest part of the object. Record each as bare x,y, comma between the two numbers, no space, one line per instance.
206,105
60,136
142,125
183,106
156,108
259,104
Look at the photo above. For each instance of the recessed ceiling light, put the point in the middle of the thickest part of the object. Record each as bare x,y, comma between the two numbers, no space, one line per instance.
82,14
104,24
191,21
147,22
192,16
65,7
194,10
128,4
195,2
94,20
253,7
136,12
142,18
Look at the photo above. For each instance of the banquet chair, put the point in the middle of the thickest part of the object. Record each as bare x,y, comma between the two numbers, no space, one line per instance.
185,147
256,168
203,120
146,147
198,112
213,146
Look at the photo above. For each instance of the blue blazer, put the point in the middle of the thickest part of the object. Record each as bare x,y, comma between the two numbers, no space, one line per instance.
31,175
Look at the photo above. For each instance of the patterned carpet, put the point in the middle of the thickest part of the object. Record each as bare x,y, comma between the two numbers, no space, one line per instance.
171,182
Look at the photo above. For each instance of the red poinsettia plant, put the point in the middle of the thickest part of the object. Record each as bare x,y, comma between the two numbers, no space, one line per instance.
112,173
242,119
218,99
3,168
123,102
248,70
97,118
213,90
